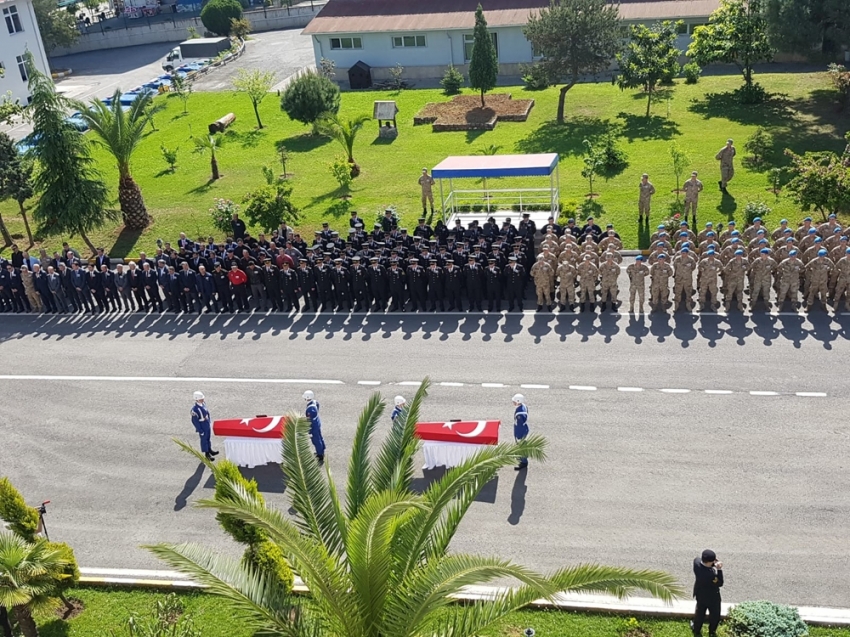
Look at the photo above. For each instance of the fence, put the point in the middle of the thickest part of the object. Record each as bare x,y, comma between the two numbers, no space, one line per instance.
494,200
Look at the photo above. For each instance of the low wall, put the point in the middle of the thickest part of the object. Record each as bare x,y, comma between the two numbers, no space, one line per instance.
176,30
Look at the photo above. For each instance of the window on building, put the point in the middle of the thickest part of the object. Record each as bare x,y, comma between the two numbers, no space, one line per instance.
13,20
691,27
22,68
681,28
408,41
469,40
346,43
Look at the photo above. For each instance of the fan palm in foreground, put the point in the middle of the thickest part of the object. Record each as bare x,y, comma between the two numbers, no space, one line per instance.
379,565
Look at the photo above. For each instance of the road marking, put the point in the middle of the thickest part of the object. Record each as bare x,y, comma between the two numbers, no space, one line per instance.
535,386
676,391
176,379
368,382
492,385
630,389
131,572
764,393
410,383
719,392
583,387
811,394
451,384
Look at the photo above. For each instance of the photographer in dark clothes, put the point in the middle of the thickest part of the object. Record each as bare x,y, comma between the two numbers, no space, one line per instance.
708,578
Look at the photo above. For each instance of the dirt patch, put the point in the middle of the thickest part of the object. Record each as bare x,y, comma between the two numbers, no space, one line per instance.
464,112
77,607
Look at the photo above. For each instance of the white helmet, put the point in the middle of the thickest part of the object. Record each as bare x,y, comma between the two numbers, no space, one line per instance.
518,398
308,395
198,395
399,401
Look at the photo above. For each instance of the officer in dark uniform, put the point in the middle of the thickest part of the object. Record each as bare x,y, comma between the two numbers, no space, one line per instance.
222,289
378,284
289,286
452,286
472,278
514,283
396,278
423,230
271,279
493,285
307,283
324,283
312,413
342,286
417,285
436,294
359,285
708,579
520,425
206,290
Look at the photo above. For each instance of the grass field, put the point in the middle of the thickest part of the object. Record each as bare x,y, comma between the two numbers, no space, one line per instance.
700,117
107,611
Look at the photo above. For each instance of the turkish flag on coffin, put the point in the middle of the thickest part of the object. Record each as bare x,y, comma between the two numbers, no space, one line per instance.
259,427
475,432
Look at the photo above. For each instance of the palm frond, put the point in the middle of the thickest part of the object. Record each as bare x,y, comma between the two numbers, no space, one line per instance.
262,600
393,468
308,488
428,589
359,471
369,552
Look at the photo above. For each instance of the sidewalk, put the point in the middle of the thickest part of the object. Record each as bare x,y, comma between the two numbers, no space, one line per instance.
582,602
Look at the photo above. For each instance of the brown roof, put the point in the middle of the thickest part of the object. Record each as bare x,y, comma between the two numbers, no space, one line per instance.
363,16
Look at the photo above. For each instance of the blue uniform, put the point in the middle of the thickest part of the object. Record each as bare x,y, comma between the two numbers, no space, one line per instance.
521,427
315,427
201,422
396,412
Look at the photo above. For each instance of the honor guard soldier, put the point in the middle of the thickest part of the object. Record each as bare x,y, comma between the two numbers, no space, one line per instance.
520,425
201,421
708,579
400,404
312,414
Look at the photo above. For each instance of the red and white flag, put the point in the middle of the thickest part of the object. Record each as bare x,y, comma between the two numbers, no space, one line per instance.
258,427
475,432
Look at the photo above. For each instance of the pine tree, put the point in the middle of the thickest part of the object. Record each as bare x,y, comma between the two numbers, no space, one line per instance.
484,65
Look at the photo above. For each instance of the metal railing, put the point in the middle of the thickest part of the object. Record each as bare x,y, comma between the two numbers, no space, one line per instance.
495,200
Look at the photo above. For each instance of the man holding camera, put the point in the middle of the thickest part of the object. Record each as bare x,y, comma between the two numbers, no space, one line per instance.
708,578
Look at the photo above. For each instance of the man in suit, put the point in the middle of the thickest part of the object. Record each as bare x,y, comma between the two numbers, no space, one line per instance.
206,290
64,273
80,281
134,281
57,290
102,259
149,287
110,292
123,290
39,279
188,288
95,285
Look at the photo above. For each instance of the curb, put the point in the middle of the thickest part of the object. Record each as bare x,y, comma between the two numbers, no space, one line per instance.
576,602
61,74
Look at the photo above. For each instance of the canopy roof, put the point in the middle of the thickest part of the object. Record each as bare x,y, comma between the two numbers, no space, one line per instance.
540,165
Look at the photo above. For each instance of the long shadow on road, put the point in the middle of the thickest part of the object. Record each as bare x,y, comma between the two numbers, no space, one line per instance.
685,329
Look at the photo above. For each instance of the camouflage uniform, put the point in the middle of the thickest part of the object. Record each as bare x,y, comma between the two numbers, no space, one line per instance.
761,276
644,200
842,283
692,188
790,271
683,279
637,271
734,275
727,168
567,287
544,277
659,288
609,271
709,269
588,275
818,276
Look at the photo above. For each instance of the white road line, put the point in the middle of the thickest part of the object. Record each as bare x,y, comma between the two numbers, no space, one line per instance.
410,383
764,393
676,391
811,394
583,387
535,386
492,385
131,572
630,389
368,382
176,379
719,392
451,384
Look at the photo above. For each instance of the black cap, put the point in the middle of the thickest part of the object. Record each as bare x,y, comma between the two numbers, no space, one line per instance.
708,555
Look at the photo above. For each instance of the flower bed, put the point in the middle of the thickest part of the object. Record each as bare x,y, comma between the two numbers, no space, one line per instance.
464,112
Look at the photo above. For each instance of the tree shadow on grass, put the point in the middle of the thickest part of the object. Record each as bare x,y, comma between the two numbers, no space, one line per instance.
303,143
249,139
55,628
125,242
199,190
776,110
643,127
472,135
564,139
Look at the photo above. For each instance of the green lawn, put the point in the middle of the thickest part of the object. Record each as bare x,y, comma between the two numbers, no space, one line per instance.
701,117
108,610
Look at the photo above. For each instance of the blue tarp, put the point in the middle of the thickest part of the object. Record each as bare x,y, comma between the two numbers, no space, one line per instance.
539,165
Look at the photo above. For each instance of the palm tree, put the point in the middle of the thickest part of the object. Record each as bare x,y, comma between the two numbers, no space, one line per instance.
120,132
29,572
379,565
345,132
209,144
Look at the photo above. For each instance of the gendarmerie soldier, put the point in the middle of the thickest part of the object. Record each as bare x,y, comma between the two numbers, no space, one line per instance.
708,580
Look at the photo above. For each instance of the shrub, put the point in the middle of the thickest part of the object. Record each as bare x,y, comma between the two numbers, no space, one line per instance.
169,155
216,15
765,619
534,76
755,209
840,79
21,518
267,558
397,77
71,572
691,71
341,171
614,158
452,81
240,27
309,96
236,528
221,213
753,94
759,145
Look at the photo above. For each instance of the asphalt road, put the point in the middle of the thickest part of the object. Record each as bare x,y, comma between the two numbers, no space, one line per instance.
641,478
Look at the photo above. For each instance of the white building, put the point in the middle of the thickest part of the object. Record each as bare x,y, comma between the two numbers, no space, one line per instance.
425,36
19,34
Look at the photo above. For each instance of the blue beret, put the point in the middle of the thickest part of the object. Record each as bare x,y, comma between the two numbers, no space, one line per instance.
731,223
736,233
709,225
686,249
756,219
784,221
710,252
660,226
847,251
837,229
683,223
662,256
821,252
812,230
683,234
765,250
737,252
640,257
818,239
787,231
789,240
761,231
762,241
793,253
807,219
832,216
